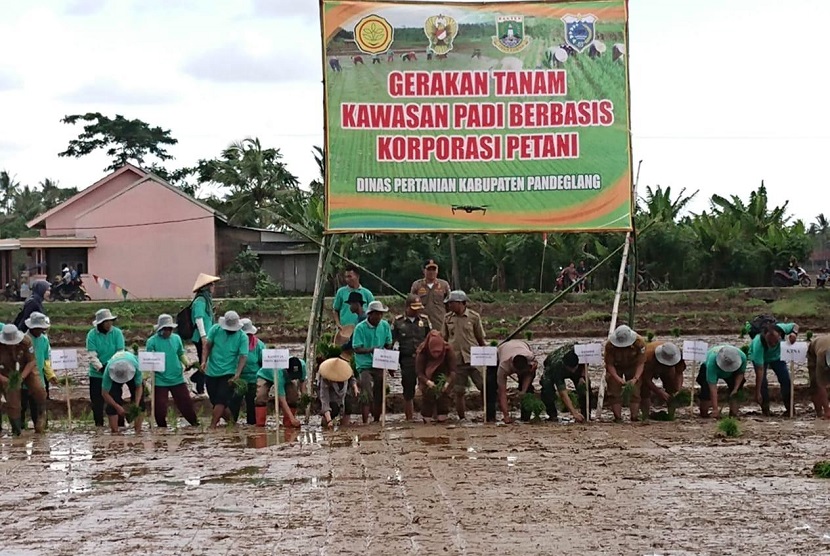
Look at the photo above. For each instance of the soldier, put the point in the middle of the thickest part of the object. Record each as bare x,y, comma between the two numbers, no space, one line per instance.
663,361
560,365
409,330
17,355
432,291
625,358
462,329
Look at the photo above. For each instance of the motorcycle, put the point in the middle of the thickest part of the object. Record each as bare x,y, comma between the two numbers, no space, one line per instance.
12,292
823,276
783,279
74,291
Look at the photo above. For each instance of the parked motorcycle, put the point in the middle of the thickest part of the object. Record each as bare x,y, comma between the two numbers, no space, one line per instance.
783,279
11,292
74,291
823,276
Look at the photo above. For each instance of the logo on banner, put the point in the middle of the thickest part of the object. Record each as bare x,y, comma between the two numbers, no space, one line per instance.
579,31
440,30
373,34
510,34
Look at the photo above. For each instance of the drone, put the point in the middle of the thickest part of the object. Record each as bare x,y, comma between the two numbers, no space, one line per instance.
469,208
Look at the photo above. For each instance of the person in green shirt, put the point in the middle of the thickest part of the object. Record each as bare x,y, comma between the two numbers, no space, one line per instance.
225,356
560,365
726,363
121,369
171,381
249,374
343,315
765,353
102,342
201,313
37,324
369,335
265,380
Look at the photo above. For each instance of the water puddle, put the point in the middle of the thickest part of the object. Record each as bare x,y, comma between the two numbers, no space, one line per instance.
511,461
76,485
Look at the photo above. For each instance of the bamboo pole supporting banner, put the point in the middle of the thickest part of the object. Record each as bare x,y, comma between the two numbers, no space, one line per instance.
314,315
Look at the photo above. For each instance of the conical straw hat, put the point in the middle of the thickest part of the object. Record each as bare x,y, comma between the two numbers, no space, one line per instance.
203,280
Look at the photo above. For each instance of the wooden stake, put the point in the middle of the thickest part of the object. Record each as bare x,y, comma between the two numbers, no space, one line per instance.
792,389
277,400
383,401
484,393
152,399
587,396
68,402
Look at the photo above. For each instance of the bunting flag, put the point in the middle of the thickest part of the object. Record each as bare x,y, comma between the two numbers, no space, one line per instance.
106,284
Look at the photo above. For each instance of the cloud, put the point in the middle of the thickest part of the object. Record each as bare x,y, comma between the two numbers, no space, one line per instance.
232,63
305,9
84,7
9,81
9,147
111,92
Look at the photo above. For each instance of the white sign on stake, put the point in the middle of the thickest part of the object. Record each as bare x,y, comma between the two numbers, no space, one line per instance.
151,362
484,356
589,354
794,353
385,359
695,350
275,358
64,359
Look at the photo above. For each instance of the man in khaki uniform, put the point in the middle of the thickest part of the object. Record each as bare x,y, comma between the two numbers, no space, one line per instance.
663,361
515,358
432,291
410,330
818,368
17,355
625,358
463,330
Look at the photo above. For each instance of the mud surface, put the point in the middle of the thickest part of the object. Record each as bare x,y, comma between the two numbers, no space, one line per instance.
662,488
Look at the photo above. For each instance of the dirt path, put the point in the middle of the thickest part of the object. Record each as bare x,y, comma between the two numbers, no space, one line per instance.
664,488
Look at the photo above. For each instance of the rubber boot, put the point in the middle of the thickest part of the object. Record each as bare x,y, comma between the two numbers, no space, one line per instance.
16,426
261,415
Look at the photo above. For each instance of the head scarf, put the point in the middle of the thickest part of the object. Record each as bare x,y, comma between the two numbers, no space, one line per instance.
436,350
204,291
252,342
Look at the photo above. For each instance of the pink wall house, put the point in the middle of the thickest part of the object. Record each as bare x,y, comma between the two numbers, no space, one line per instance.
133,229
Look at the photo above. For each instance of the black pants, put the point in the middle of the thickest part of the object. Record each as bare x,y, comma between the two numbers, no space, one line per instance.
492,393
28,402
250,406
96,400
550,395
198,378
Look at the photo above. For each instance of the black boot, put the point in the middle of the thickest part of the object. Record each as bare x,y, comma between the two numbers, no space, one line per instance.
15,424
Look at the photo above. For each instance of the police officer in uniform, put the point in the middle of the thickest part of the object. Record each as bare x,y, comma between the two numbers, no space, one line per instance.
432,291
410,330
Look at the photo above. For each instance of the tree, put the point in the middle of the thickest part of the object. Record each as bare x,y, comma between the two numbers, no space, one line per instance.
8,189
52,194
124,140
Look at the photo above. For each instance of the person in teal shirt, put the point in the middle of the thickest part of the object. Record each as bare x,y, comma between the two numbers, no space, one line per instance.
371,334
765,353
171,381
286,379
726,363
201,313
102,342
249,374
343,315
121,369
225,357
37,324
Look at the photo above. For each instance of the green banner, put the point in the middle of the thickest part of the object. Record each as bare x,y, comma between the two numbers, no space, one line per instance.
491,117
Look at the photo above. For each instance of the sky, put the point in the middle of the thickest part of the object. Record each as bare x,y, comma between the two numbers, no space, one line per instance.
709,81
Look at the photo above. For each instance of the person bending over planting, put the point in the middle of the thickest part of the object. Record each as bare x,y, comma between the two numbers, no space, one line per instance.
818,368
290,388
560,365
663,361
515,358
435,367
726,363
122,369
171,381
765,353
225,356
249,375
625,358
369,335
334,380
102,342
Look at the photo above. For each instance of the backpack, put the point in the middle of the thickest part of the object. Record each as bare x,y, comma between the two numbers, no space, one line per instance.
184,321
756,325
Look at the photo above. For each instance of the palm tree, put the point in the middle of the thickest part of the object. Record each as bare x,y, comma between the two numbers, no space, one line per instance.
8,189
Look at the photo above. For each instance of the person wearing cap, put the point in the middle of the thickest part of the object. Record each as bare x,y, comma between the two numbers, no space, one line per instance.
625,359
462,329
371,334
225,356
409,331
37,324
432,291
818,369
201,314
726,363
435,363
170,382
335,380
560,365
102,342
249,374
765,353
121,369
663,361
287,390
343,315
17,354
515,358
344,333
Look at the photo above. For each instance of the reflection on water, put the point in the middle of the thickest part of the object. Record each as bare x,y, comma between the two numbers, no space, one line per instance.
193,481
75,485
511,461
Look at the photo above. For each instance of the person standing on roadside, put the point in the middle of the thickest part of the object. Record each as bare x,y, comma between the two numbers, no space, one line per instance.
225,357
171,381
462,330
625,359
17,361
343,315
432,291
663,361
102,342
201,313
515,359
726,363
371,334
818,368
765,353
34,304
409,330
